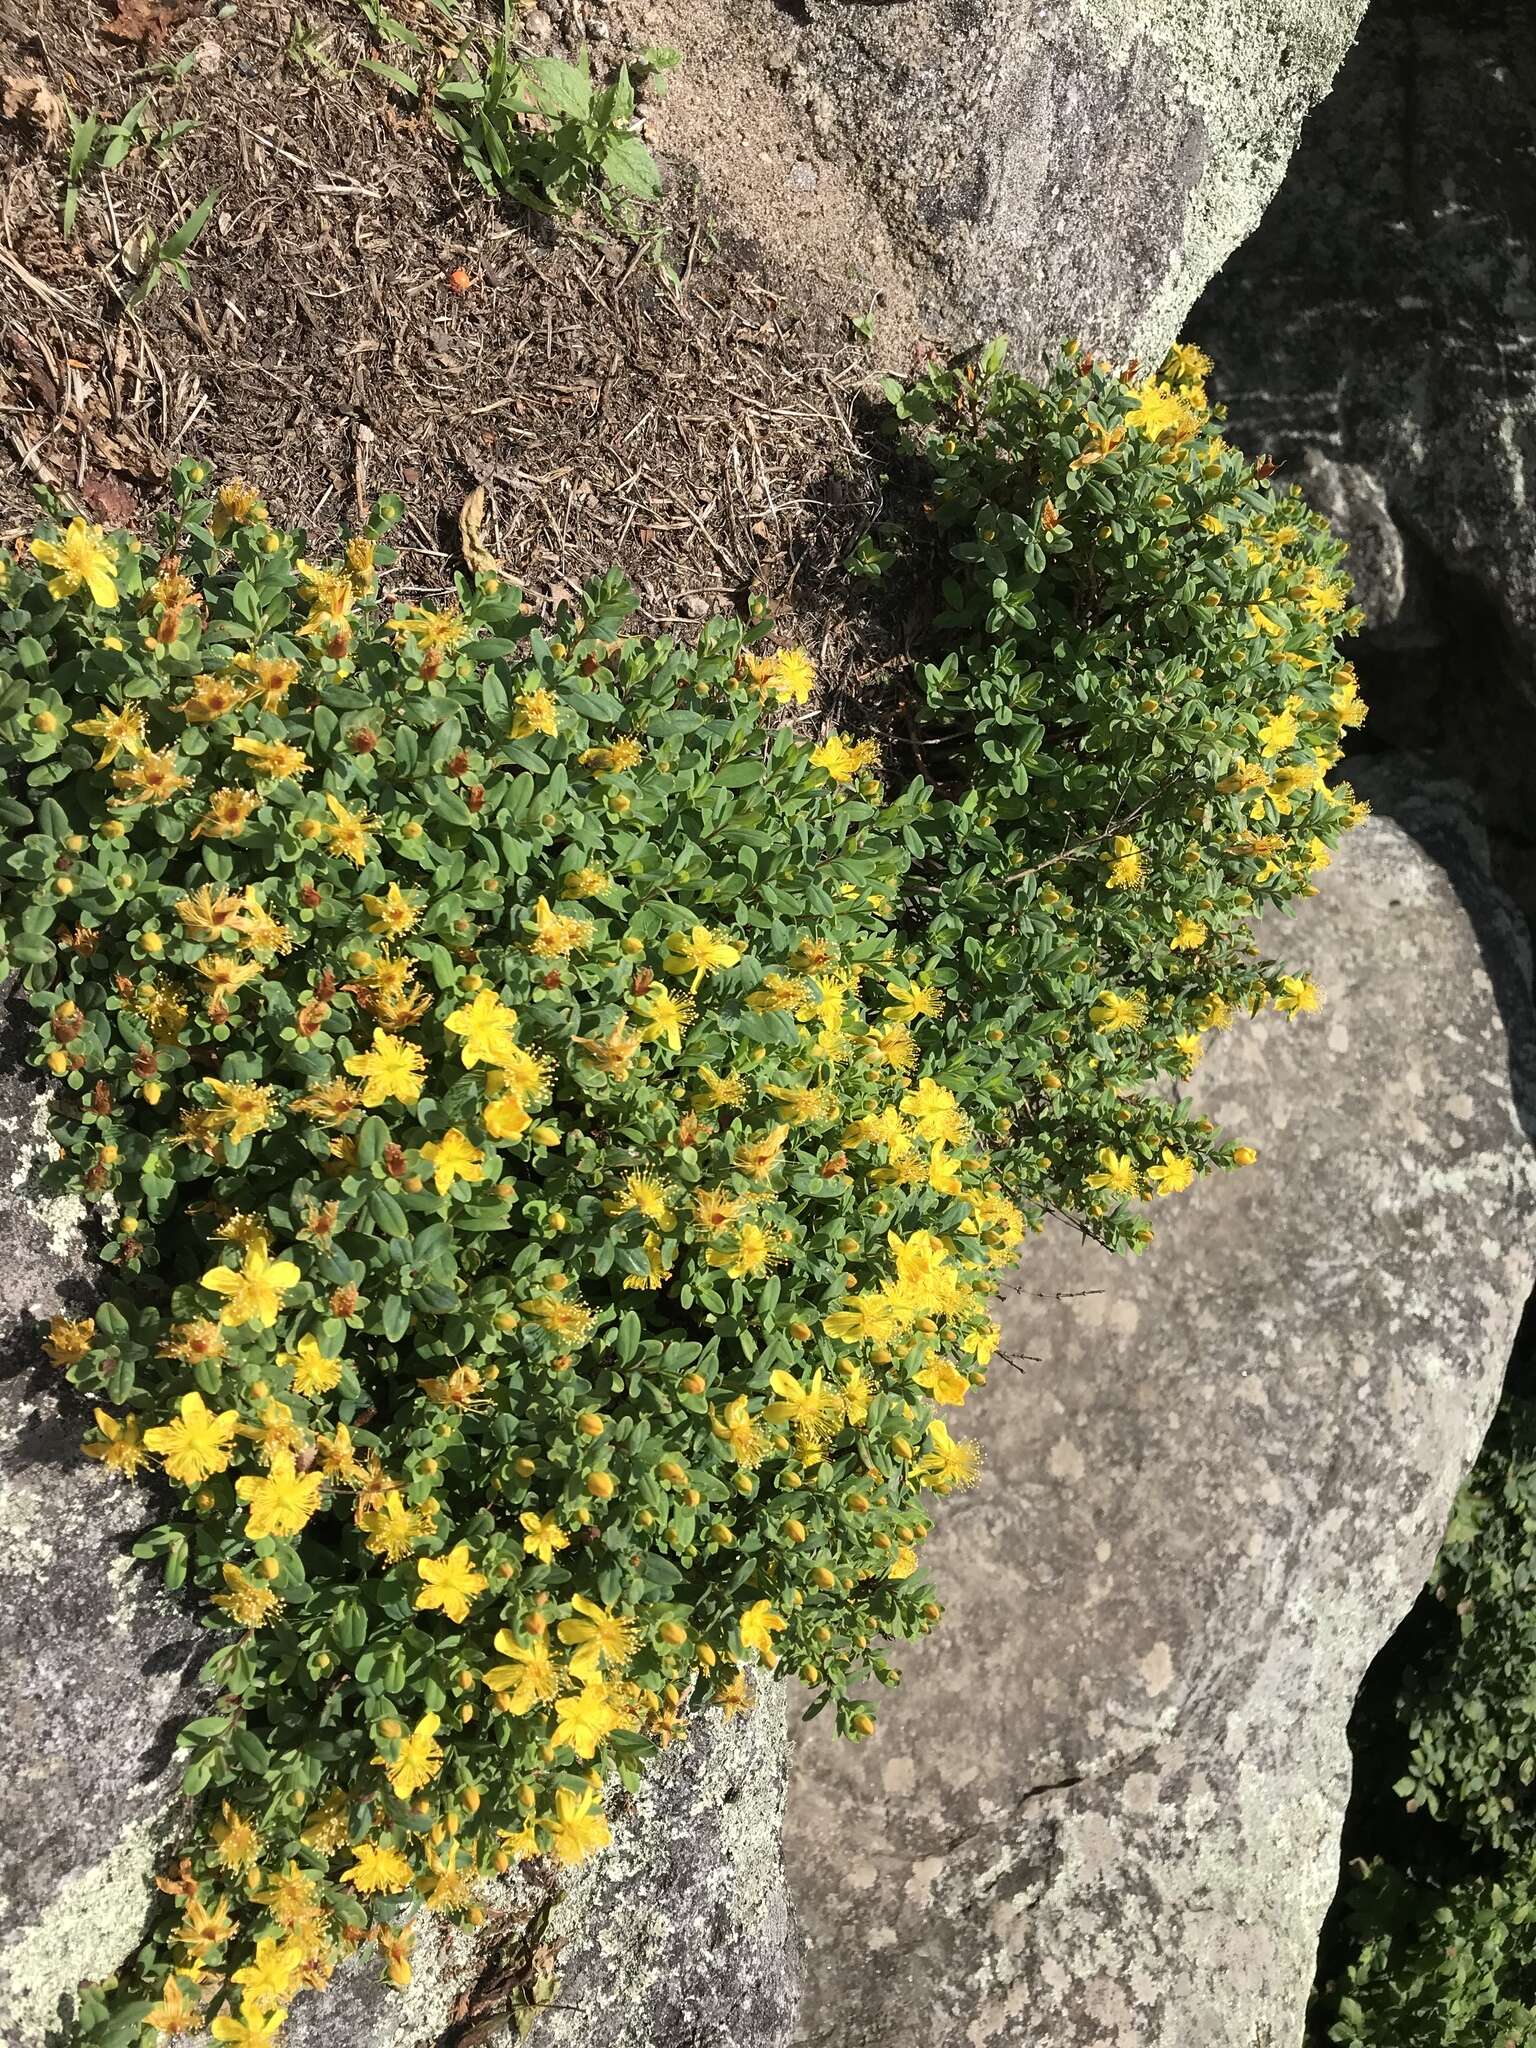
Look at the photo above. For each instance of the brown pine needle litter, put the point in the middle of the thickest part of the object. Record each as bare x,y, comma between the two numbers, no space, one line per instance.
359,317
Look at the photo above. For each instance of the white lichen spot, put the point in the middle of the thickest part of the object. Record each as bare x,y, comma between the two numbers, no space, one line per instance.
1066,1462
1156,1669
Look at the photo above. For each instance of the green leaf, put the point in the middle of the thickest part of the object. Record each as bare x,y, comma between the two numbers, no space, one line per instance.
387,1212
629,165
561,88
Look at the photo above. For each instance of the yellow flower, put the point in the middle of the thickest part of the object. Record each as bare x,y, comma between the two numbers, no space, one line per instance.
1187,368
431,632
280,1501
863,1319
757,1156
949,1464
584,1720
1117,1173
578,1826
1279,732
243,1109
391,1070
69,1339
120,1447
624,754
377,1868
419,1759
273,760
581,882
1118,1013
449,1582
453,1158
699,951
542,1536
787,677
740,1434
758,1627
392,913
505,1117
314,1372
531,1679
488,1027
347,834
1173,1174
934,1112
601,1638
333,1102
1162,412
1298,996
151,779
273,1973
82,560
255,2028
811,1409
253,1291
754,1251
120,732
236,1843
568,1320
227,814
842,760
557,933
246,1601
197,1443
235,503
909,1002
1126,864
944,1382
535,711
174,2014
719,1091
667,1017
646,1196
1189,937
615,1051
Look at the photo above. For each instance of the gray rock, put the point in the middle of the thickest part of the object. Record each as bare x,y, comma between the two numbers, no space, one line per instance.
680,1935
1079,167
1105,1806
93,1662
1354,503
1384,312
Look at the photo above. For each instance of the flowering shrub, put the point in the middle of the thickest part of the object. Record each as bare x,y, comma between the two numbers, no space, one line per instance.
562,1128
1134,700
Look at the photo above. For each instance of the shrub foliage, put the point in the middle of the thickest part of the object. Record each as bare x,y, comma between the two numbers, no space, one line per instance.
1440,1951
559,1121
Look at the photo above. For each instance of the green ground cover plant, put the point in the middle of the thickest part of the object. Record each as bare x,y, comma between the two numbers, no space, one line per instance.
561,1119
1436,1943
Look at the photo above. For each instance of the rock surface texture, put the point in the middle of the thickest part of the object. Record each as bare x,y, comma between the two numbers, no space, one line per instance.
1378,336
93,1664
1103,1811
1385,313
1078,167
679,1936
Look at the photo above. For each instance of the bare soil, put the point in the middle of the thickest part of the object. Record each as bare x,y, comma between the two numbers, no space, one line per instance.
362,317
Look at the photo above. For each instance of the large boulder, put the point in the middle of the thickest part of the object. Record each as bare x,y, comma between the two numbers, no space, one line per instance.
93,1662
679,1934
1103,1811
1384,316
1077,167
